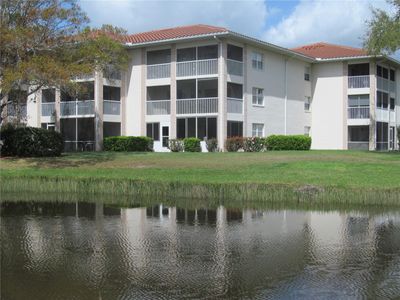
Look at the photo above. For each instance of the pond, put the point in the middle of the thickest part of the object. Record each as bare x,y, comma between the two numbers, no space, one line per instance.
81,250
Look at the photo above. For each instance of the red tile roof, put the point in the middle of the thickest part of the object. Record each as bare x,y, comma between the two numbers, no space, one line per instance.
325,50
173,33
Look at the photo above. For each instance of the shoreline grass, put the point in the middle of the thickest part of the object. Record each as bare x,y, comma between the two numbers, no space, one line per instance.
342,177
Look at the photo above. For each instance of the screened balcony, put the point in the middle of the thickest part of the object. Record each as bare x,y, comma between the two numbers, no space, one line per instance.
358,107
234,62
358,76
159,64
17,105
235,98
197,61
111,100
78,103
203,100
48,102
386,79
158,100
78,134
358,137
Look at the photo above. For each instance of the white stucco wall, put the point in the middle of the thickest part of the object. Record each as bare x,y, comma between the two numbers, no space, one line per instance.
328,106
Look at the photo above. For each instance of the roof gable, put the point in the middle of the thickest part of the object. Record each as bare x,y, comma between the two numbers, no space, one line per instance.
326,51
173,33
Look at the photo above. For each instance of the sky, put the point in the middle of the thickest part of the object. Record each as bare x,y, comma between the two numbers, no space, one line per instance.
287,23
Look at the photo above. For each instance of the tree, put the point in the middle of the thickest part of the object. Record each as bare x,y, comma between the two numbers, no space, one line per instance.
46,43
383,35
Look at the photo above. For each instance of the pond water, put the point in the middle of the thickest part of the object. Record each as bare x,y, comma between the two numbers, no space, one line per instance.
95,251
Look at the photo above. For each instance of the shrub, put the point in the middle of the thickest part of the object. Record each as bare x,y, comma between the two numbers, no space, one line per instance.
191,145
175,145
254,144
288,142
212,145
128,143
30,142
234,144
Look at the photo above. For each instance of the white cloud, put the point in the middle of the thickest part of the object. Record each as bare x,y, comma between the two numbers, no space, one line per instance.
342,22
247,17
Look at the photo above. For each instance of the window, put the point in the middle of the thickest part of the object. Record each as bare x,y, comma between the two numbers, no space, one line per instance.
234,128
358,100
307,72
235,53
207,52
153,131
186,54
48,95
392,104
111,93
307,103
161,92
379,71
48,126
257,60
307,130
382,100
111,129
392,75
258,96
258,130
159,57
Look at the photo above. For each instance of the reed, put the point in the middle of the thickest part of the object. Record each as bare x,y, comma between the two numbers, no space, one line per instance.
216,193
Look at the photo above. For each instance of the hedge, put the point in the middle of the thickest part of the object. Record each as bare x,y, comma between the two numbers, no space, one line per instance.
212,145
175,145
254,144
234,144
128,143
30,142
288,142
191,145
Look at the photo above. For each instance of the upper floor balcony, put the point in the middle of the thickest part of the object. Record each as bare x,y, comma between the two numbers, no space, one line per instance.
386,79
77,108
358,76
197,106
197,67
234,62
158,64
361,112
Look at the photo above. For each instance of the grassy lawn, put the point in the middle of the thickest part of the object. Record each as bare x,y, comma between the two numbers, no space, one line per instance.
341,169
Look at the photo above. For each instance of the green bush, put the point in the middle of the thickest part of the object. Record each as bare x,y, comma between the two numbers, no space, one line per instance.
191,145
212,145
234,144
175,145
30,142
288,142
254,144
128,143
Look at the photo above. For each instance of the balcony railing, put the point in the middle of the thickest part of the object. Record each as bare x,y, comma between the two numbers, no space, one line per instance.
358,112
197,67
48,109
158,107
382,83
235,106
77,108
14,110
111,107
197,106
382,114
234,67
392,87
358,82
358,145
159,71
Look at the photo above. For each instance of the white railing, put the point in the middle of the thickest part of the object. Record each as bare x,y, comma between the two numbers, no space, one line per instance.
235,106
358,112
77,108
158,107
392,87
382,83
392,116
197,106
159,71
358,145
234,67
382,115
17,110
197,67
48,109
358,82
111,107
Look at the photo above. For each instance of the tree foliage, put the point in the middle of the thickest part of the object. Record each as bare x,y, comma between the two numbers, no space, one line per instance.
383,34
47,43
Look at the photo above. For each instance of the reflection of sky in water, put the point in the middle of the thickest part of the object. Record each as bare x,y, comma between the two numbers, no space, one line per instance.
83,250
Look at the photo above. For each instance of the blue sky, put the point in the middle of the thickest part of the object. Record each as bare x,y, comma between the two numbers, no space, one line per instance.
286,23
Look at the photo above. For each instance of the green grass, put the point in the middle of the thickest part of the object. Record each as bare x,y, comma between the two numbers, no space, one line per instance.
342,176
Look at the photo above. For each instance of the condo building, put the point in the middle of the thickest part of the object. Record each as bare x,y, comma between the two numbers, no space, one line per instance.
209,82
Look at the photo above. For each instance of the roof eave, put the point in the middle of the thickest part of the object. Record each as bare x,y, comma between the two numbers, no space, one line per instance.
393,60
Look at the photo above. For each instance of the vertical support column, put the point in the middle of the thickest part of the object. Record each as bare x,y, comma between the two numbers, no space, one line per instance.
57,108
98,110
246,93
222,91
345,105
4,112
38,96
124,91
143,93
172,129
372,105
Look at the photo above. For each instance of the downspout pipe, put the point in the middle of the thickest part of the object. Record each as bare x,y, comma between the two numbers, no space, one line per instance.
285,114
